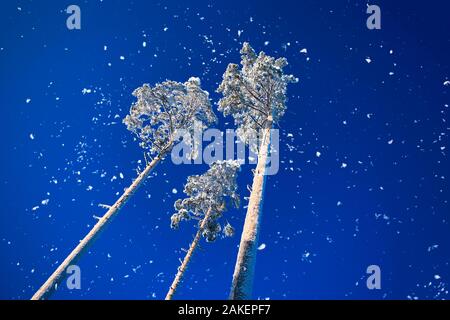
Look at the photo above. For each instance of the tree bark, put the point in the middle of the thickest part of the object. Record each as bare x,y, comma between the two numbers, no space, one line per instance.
241,287
50,285
187,258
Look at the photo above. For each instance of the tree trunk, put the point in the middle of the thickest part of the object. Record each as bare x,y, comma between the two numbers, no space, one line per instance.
187,258
241,287
49,286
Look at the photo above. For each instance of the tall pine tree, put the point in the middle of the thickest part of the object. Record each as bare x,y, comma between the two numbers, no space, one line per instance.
208,194
255,96
157,118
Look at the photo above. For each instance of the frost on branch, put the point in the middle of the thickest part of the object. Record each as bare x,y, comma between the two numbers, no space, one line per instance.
254,92
228,230
160,112
214,189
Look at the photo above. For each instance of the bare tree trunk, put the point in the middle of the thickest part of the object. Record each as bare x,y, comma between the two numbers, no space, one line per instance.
187,258
241,287
49,286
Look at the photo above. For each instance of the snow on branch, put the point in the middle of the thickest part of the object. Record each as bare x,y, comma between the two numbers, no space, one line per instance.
255,92
214,189
162,110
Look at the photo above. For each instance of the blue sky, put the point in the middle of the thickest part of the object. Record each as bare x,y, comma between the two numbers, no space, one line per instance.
364,147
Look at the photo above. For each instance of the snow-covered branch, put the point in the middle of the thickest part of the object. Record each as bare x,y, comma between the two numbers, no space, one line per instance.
255,92
212,190
162,110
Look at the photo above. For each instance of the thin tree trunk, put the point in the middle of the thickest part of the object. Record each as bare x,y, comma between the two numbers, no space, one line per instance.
241,287
187,258
49,286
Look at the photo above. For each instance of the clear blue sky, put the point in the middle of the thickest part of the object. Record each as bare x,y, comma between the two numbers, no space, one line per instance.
372,104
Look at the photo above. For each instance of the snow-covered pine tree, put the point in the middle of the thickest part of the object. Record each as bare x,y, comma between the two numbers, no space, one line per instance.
157,116
255,96
208,195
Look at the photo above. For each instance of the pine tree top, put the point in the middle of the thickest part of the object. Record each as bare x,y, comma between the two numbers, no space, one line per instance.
255,92
162,110
215,189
